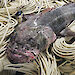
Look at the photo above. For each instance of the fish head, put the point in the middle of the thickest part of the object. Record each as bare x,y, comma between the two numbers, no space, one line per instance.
29,42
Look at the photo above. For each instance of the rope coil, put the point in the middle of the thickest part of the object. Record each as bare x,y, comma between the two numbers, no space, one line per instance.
64,50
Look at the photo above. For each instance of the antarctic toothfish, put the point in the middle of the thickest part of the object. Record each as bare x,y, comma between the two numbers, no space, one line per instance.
38,32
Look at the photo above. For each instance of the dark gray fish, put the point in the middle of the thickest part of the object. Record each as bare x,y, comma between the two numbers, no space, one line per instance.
38,32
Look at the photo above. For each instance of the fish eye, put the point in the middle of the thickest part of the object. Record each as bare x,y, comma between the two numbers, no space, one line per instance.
18,13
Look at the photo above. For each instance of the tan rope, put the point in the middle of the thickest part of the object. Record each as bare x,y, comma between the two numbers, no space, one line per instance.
43,66
64,50
44,63
29,6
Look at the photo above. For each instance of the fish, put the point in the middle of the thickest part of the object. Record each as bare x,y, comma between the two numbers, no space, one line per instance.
37,33
26,43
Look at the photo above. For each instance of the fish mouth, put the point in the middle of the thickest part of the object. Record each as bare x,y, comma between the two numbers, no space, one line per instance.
26,51
21,54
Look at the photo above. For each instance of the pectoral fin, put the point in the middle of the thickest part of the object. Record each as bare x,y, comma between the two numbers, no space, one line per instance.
67,32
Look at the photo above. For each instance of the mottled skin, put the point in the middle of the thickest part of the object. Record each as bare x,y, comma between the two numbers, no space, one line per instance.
37,33
26,43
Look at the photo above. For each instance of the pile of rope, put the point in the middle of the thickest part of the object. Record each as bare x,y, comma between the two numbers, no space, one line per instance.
64,50
27,6
45,64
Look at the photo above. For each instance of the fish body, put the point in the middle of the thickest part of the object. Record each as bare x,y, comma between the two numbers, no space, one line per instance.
57,19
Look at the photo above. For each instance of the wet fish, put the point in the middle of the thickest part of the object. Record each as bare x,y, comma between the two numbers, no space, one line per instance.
38,32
